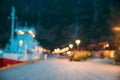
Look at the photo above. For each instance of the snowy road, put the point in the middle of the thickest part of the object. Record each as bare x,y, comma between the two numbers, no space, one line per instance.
62,69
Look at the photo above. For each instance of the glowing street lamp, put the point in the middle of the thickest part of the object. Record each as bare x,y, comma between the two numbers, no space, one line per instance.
71,46
78,42
107,45
116,28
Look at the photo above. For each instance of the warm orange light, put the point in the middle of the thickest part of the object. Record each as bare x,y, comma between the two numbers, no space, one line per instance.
20,32
107,45
112,54
71,46
67,48
32,33
68,52
116,29
53,52
57,50
77,42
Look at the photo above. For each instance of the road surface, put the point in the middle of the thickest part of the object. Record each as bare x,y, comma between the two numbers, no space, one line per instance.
62,69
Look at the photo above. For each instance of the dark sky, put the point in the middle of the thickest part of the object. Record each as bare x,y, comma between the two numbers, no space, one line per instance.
60,22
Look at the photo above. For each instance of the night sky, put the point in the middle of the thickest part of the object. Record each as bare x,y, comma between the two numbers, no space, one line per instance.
60,22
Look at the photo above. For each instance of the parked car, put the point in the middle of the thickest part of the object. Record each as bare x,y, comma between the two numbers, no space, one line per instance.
79,55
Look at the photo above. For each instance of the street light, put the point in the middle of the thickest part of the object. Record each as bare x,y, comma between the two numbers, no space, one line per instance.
78,42
116,36
71,46
116,29
107,45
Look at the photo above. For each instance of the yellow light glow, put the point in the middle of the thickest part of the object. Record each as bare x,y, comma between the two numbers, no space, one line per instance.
69,52
112,54
67,48
116,29
57,50
31,33
20,32
71,46
44,50
107,45
53,52
77,42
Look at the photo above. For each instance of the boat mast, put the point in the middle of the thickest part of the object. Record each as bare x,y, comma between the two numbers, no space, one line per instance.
12,17
12,23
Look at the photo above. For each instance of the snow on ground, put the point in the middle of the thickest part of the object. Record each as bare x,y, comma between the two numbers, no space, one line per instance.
110,61
62,69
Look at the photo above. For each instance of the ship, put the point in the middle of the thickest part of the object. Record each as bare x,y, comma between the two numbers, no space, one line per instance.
22,45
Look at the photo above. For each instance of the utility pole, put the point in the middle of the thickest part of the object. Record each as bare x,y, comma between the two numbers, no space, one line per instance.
75,35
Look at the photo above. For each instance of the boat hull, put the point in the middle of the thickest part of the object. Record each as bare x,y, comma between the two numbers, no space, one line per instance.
12,58
7,62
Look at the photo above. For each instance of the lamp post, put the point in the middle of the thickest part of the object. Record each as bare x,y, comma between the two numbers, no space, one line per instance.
70,46
78,42
116,37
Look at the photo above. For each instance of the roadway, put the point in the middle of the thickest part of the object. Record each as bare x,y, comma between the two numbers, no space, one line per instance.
62,69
